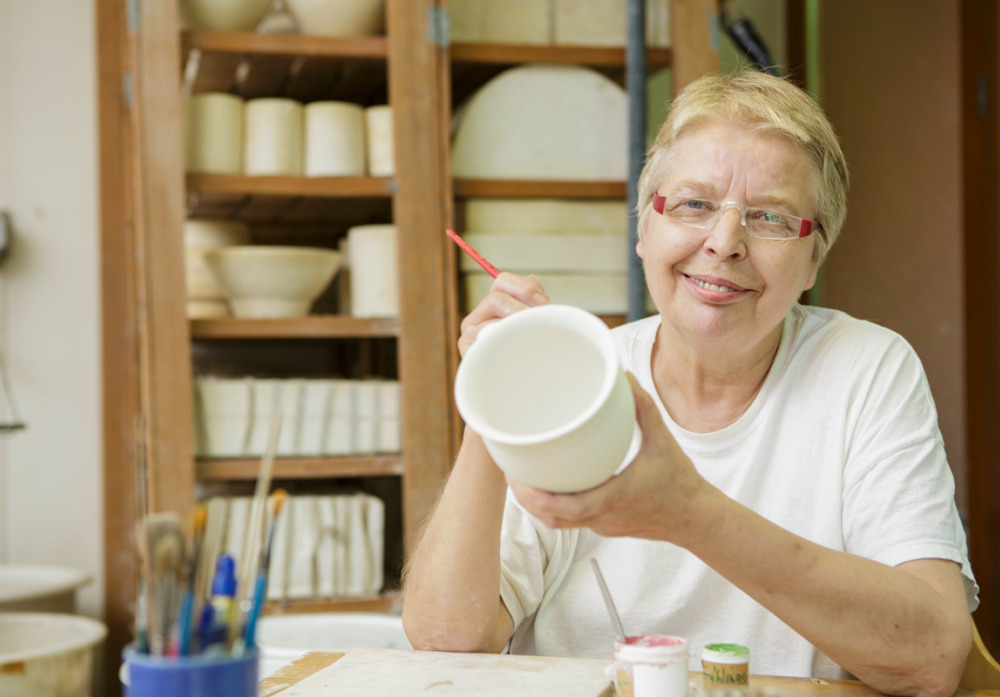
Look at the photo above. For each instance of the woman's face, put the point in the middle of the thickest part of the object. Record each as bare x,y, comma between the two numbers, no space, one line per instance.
722,284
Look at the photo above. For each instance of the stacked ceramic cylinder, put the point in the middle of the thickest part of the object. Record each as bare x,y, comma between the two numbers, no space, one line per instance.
548,122
276,136
325,546
320,416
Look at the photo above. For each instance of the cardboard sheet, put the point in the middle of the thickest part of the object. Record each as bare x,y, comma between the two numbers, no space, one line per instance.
394,673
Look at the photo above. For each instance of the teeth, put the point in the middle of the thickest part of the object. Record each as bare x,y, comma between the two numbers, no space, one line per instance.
712,286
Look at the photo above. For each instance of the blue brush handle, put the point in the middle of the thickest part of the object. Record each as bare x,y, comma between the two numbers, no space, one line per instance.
258,600
187,607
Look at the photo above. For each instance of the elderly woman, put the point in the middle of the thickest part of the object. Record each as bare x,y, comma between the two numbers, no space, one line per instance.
791,492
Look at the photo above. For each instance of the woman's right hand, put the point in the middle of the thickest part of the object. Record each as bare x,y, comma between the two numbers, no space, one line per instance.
508,294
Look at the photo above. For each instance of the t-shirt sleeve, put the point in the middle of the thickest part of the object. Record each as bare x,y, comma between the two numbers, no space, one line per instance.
533,560
899,492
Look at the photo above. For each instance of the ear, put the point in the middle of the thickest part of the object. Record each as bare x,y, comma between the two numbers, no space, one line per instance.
811,278
638,246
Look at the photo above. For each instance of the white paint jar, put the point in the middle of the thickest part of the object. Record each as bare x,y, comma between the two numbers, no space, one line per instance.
381,148
651,665
272,137
374,277
334,139
545,390
213,133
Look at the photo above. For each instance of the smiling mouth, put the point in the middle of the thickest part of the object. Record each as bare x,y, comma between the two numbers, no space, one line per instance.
711,286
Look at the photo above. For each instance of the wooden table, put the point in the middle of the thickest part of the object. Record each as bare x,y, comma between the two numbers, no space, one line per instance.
309,664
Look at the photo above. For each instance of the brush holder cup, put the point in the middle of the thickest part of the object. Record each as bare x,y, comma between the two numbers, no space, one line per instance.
545,390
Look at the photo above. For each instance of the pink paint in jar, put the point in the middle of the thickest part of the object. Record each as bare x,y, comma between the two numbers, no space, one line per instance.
651,665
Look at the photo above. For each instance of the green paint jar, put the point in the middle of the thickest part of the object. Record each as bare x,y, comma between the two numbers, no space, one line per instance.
725,664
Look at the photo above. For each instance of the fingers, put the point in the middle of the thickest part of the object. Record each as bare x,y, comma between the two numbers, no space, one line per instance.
509,293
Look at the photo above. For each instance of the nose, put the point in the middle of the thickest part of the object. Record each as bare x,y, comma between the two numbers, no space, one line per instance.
727,238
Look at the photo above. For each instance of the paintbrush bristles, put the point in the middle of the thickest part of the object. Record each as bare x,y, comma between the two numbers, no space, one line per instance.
161,543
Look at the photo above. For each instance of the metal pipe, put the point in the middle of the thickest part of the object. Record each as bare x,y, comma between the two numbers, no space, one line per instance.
635,84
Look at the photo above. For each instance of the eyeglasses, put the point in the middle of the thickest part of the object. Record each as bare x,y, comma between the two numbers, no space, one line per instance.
704,214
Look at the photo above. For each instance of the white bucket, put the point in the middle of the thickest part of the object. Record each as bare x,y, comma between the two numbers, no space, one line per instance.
47,654
31,588
284,638
545,390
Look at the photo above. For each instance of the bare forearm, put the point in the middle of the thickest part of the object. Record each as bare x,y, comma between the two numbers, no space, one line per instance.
452,584
898,632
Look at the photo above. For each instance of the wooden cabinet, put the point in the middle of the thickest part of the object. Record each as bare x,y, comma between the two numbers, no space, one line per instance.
146,195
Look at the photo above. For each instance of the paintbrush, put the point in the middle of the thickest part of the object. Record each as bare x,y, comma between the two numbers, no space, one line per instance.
479,259
164,542
277,501
255,528
187,610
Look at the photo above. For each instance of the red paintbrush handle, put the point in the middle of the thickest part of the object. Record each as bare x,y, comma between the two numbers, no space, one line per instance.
487,266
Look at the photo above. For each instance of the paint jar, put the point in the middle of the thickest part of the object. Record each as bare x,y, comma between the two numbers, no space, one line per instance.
725,664
651,665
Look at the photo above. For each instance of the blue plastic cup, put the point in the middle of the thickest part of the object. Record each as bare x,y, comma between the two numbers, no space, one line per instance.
190,676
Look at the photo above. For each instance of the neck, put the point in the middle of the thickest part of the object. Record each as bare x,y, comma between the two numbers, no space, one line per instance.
708,387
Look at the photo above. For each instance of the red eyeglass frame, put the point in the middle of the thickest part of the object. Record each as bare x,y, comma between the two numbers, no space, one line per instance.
806,228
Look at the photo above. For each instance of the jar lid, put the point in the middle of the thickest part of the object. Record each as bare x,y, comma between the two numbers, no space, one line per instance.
652,648
725,653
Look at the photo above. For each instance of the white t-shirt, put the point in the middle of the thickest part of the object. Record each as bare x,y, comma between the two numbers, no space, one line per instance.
841,447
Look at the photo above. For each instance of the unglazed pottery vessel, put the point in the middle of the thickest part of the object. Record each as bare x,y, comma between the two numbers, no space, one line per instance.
339,17
545,390
271,281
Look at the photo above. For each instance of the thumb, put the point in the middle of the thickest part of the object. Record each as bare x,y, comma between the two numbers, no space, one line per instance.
646,413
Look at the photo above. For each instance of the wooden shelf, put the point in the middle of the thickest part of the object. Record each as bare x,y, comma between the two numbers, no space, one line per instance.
372,47
342,201
311,327
501,188
298,66
594,56
246,469
388,601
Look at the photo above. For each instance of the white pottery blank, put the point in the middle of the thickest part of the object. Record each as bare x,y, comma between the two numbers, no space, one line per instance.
334,139
374,272
205,297
600,293
379,138
501,21
538,121
223,15
339,17
545,390
604,22
546,215
213,133
47,654
537,252
273,137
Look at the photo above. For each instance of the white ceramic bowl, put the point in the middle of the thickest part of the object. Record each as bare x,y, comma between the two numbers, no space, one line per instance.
224,15
47,654
34,588
284,638
545,390
271,281
339,17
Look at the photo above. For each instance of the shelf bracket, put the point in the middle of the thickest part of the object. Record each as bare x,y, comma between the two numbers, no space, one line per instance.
438,26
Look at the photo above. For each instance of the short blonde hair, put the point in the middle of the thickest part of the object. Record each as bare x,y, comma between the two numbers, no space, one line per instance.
761,103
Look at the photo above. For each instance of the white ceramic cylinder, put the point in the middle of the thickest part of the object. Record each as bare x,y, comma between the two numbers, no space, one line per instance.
339,17
334,139
223,15
273,137
652,665
545,390
213,133
381,148
374,271
205,298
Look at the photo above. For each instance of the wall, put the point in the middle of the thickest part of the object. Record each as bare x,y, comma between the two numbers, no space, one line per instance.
50,475
890,84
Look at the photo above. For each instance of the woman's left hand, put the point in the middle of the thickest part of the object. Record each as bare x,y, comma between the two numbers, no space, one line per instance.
655,497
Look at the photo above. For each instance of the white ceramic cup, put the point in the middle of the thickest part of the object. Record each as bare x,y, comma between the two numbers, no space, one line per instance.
374,271
545,390
381,149
334,139
273,137
213,133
